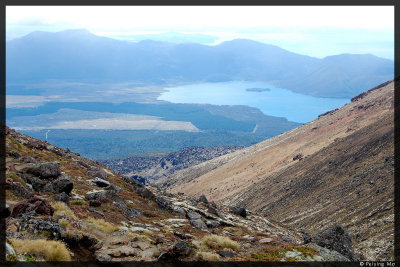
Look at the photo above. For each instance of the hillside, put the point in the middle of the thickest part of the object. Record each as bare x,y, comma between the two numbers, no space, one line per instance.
336,169
80,56
63,207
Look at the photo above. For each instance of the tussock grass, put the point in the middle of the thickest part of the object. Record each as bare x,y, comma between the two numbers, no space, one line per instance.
222,241
78,202
207,256
102,225
61,209
49,249
64,223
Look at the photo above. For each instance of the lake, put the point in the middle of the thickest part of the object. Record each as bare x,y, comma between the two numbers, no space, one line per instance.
274,102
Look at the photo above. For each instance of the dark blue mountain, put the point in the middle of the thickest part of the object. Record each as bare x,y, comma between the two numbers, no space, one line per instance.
78,55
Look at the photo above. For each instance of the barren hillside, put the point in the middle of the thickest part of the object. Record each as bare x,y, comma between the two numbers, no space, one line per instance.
336,169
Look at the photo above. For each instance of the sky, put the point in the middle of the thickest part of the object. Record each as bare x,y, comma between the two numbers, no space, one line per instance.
317,31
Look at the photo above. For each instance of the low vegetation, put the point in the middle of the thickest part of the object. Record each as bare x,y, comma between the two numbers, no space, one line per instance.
102,225
60,209
222,241
50,250
207,256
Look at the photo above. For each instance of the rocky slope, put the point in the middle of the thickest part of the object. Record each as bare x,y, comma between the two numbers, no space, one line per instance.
62,207
336,169
152,168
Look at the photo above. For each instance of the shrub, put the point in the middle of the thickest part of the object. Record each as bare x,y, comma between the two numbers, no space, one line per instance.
77,202
63,223
61,209
51,250
207,256
102,225
222,241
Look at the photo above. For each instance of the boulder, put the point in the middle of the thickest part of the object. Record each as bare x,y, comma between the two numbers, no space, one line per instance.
241,211
63,197
97,172
94,203
35,204
100,182
198,223
163,203
14,155
182,249
35,225
327,254
335,238
19,190
203,199
63,184
28,160
226,253
212,223
193,215
45,170
140,189
38,184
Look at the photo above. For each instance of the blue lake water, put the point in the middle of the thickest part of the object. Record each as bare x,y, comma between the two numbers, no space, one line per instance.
274,102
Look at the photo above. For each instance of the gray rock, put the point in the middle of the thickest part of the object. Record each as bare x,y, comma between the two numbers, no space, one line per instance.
97,172
198,223
19,190
63,197
10,252
203,199
241,211
226,253
163,203
335,238
182,249
140,189
212,223
45,170
37,184
102,257
327,254
28,160
193,215
96,211
100,182
63,184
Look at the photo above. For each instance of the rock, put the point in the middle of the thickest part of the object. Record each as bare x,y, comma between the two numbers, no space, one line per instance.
35,225
265,240
15,155
198,223
94,203
164,256
63,184
163,203
203,199
180,235
193,215
212,223
241,211
306,237
129,213
28,160
96,211
102,257
97,195
287,239
226,253
212,244
298,157
10,252
140,189
196,243
19,190
36,204
63,197
33,143
182,249
335,238
100,182
38,184
97,172
84,164
5,211
327,254
45,170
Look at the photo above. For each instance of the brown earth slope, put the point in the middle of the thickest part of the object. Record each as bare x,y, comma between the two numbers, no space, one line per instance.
345,175
64,207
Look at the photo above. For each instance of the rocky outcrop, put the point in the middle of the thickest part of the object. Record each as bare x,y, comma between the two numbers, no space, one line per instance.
35,204
335,238
45,170
19,190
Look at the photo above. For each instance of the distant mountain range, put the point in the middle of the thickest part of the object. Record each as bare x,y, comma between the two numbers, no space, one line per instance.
78,55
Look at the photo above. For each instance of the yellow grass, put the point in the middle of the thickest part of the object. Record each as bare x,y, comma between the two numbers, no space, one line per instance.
222,241
49,249
61,209
207,256
102,225
63,223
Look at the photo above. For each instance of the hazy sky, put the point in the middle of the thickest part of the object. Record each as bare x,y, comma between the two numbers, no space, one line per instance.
312,30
